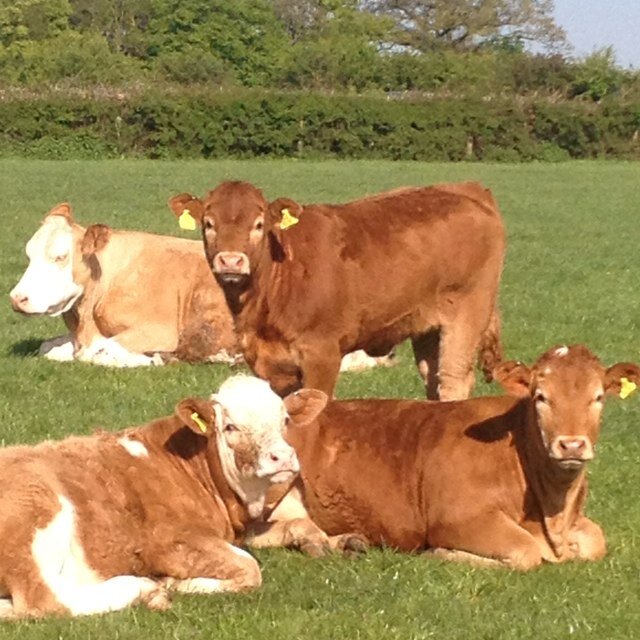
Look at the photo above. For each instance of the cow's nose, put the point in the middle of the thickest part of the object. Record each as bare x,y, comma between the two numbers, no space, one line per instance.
18,301
231,262
572,446
284,459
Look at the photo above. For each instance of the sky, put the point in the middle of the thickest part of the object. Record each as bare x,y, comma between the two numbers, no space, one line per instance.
593,24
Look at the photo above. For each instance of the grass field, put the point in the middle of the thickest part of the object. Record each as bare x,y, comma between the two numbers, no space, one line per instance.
572,274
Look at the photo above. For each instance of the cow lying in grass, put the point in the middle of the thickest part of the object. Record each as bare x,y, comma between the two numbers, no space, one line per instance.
498,480
123,295
93,524
126,296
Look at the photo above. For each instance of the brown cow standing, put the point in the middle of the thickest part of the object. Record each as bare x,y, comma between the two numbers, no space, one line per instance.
93,524
309,283
500,478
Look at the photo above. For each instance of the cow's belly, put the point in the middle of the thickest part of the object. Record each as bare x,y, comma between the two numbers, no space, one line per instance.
385,518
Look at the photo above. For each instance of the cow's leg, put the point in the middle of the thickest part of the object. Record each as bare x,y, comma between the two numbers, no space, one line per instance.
53,576
200,563
320,365
455,555
495,536
426,354
59,349
460,338
110,353
586,540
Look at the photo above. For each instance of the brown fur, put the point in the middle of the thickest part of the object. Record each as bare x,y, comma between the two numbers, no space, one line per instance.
423,263
472,476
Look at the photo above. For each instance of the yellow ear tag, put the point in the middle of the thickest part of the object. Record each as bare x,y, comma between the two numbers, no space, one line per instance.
187,221
199,421
288,220
627,387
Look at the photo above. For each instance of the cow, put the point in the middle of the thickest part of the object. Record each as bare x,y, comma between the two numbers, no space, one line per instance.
490,480
92,524
307,284
130,298
125,296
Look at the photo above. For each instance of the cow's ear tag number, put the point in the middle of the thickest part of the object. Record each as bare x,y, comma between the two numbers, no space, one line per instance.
187,221
627,387
288,219
199,421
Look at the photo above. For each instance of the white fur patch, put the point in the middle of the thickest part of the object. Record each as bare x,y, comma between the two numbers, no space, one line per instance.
59,349
48,282
63,567
561,351
134,447
196,585
109,352
240,552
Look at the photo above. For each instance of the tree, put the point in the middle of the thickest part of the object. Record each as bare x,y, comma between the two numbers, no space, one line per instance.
469,24
24,20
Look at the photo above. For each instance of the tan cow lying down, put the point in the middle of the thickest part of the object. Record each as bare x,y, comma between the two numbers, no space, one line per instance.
123,294
308,284
94,524
495,480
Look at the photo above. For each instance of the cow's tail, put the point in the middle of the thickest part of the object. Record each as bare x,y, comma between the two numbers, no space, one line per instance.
490,351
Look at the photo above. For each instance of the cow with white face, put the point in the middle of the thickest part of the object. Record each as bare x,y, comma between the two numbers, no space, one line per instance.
94,524
48,285
123,295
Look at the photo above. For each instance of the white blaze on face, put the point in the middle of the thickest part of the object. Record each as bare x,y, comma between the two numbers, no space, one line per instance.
47,286
250,421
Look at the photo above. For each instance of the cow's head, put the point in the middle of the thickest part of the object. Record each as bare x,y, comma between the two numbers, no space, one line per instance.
567,387
58,264
232,221
48,286
246,423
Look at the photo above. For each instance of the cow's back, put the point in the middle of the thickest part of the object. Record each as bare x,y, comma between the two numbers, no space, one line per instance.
395,470
387,265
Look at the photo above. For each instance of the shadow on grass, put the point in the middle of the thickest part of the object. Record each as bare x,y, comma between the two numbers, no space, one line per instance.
25,348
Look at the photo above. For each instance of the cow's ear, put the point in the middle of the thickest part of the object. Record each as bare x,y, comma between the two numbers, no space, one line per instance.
64,210
198,414
514,377
282,214
188,209
95,238
622,379
303,406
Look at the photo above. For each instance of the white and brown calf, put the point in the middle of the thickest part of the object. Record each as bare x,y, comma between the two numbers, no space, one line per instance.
94,524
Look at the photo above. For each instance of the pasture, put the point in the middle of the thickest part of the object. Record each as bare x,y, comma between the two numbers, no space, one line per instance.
571,275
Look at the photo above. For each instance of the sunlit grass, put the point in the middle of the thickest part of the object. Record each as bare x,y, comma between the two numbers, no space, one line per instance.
572,274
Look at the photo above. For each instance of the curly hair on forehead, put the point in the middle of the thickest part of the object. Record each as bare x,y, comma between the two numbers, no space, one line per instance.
567,354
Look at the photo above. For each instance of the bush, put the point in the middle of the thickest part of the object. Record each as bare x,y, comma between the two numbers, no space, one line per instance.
250,123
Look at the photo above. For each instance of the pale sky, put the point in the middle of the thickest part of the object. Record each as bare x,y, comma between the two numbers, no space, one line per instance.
593,24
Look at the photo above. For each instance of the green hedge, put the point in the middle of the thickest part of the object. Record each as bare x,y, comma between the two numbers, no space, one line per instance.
255,123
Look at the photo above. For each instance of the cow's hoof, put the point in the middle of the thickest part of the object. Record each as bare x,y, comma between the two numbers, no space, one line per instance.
353,544
315,548
157,599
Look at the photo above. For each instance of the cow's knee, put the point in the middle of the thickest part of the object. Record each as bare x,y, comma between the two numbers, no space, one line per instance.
523,559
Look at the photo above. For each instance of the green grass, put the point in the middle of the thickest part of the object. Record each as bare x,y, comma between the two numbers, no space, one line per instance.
572,274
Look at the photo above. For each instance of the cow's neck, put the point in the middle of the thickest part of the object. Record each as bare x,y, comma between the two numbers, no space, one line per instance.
558,494
203,462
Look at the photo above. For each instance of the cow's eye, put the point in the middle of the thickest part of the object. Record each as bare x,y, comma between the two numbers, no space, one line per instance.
230,428
599,397
259,225
60,258
207,223
540,397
